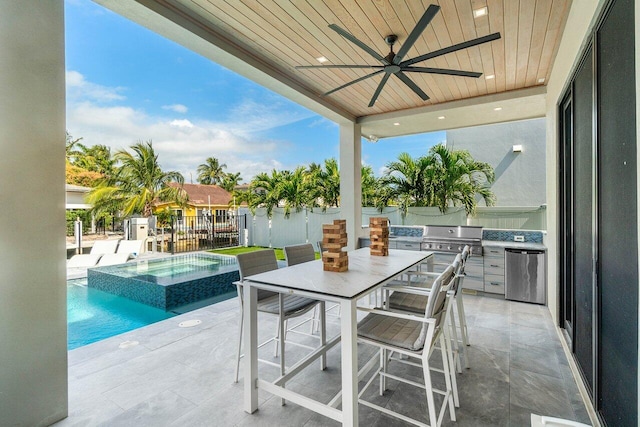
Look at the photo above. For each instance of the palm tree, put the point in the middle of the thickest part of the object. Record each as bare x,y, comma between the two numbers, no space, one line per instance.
292,190
406,179
70,147
211,172
264,192
230,181
96,158
368,186
138,184
324,183
457,178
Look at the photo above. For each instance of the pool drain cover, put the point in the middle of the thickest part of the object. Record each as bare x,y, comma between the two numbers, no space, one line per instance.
189,323
127,344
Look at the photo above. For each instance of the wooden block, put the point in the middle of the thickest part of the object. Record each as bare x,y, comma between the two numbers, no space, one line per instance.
378,220
379,245
334,236
332,256
333,247
380,252
339,269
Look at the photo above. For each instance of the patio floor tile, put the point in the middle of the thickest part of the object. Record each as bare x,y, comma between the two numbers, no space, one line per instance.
184,376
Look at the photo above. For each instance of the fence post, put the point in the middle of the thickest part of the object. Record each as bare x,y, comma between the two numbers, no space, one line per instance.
174,223
77,232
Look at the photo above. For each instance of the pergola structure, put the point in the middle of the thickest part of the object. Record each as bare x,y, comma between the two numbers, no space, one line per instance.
525,74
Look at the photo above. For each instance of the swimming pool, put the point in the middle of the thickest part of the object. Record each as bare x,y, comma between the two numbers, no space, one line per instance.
168,283
93,315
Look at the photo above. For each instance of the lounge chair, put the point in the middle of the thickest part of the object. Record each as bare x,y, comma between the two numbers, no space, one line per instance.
99,248
126,249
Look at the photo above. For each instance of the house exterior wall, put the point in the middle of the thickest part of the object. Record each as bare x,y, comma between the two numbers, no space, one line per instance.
520,176
33,305
191,210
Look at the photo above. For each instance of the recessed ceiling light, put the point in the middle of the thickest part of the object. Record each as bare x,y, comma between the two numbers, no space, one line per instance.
322,59
497,109
477,13
541,80
396,124
440,117
490,76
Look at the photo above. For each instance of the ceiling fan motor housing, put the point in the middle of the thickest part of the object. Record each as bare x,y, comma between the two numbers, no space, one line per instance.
391,39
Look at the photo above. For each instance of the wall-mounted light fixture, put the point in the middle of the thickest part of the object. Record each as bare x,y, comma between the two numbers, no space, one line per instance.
371,138
517,148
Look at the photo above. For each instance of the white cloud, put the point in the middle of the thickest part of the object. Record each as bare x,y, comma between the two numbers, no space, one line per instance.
183,144
184,123
250,117
178,108
79,88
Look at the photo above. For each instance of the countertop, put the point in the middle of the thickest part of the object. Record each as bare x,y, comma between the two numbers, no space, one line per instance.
496,243
514,245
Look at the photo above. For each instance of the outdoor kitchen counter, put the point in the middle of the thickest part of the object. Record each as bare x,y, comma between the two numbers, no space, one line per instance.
514,245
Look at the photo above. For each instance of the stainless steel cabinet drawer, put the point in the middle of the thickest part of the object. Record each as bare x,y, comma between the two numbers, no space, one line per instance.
494,269
491,251
474,267
473,282
407,246
494,284
496,262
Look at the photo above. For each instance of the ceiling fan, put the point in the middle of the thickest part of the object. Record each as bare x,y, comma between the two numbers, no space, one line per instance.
393,63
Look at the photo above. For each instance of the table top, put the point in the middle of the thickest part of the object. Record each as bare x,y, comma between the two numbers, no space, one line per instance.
365,272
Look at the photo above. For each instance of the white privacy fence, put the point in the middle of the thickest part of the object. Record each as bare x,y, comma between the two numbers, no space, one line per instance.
306,225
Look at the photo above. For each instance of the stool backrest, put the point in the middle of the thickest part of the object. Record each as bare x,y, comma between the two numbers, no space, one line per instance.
257,262
436,304
297,254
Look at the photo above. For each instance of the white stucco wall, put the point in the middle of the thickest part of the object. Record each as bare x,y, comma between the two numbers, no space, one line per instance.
33,323
520,177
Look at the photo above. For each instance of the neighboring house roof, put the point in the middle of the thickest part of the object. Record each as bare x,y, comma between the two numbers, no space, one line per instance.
203,195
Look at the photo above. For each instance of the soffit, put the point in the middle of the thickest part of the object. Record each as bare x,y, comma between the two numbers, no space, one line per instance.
266,39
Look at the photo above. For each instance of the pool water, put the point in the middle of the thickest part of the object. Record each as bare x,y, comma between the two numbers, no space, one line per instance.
93,315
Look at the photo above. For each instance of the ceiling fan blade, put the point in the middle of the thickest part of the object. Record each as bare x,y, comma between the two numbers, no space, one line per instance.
379,89
415,33
455,47
301,67
358,43
442,71
414,87
353,82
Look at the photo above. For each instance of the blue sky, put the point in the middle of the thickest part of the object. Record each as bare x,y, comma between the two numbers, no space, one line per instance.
126,83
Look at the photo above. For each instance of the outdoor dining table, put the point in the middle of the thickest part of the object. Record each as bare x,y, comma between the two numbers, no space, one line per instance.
366,274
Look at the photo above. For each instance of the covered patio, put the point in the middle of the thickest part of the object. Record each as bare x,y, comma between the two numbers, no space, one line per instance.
184,376
521,361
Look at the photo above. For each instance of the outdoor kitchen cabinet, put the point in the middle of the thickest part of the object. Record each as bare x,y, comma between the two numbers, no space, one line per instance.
474,269
494,269
404,244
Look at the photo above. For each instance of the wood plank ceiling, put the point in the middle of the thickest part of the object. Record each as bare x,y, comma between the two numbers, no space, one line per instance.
288,33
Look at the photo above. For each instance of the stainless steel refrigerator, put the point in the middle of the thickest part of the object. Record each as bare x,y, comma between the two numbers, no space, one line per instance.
525,275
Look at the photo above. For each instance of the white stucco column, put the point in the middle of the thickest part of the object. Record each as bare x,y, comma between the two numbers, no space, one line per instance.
33,320
351,181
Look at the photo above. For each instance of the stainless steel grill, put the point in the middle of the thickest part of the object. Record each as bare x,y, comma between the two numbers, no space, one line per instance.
441,238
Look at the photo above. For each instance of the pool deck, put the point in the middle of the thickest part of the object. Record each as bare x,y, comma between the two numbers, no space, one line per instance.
184,376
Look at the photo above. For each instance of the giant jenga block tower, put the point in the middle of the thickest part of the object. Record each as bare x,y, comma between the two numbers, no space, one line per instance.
379,234
334,238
